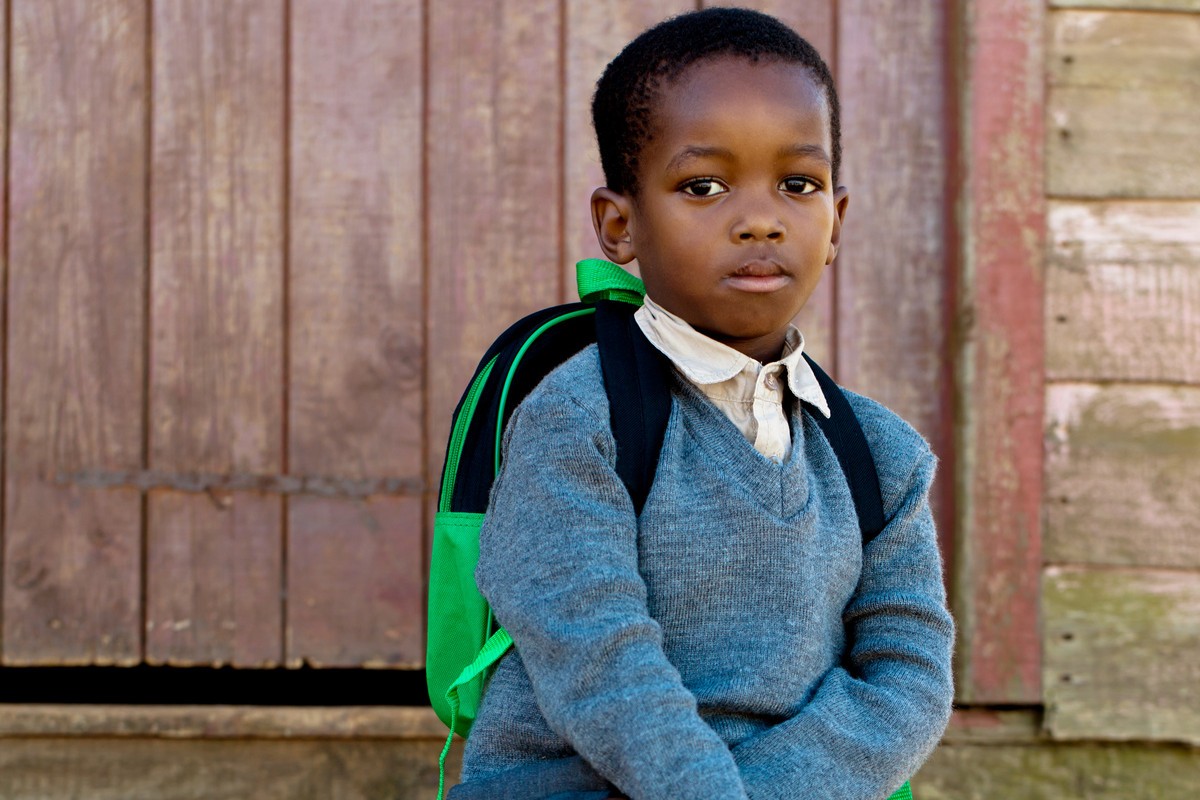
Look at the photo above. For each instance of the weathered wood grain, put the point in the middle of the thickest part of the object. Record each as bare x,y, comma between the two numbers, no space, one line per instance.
1144,5
220,722
890,272
1122,474
216,363
132,769
1060,772
354,269
1123,291
76,280
493,149
213,579
1123,104
1122,654
892,285
216,351
355,582
356,321
595,32
998,466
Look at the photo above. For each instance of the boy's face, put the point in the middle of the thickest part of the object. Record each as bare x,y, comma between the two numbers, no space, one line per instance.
736,216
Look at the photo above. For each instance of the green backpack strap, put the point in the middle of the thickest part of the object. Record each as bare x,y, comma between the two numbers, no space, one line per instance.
597,279
903,793
495,647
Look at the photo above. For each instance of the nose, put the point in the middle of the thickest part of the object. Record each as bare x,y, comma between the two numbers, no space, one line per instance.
758,221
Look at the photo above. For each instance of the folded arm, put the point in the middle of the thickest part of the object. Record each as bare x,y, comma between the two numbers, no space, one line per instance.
874,719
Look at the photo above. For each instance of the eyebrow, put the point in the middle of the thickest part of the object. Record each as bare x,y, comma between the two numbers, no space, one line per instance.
697,151
807,151
700,151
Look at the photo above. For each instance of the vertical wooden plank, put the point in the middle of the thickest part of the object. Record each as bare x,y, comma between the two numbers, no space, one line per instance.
895,271
356,329
494,184
353,598
892,286
216,358
1000,362
815,21
595,32
1145,5
77,268
211,568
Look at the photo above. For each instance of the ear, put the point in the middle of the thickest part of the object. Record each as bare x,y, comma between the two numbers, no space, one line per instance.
841,199
611,213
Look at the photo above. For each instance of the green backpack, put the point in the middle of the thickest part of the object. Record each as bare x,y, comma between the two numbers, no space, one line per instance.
464,642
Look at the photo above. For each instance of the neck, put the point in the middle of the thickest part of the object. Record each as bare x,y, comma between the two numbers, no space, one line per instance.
763,349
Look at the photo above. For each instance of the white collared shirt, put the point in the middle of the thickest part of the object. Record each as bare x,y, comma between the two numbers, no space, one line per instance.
749,393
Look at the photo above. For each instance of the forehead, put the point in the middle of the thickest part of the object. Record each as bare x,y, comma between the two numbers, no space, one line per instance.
731,90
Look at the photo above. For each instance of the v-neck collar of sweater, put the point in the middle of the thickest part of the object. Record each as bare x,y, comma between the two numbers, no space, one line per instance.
780,487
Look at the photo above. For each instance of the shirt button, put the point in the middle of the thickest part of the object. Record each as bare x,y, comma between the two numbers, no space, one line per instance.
770,382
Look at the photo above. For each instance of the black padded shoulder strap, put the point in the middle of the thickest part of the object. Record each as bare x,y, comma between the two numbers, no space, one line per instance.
846,438
637,381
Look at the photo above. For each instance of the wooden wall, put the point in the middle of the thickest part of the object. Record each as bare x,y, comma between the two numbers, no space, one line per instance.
255,247
1122,509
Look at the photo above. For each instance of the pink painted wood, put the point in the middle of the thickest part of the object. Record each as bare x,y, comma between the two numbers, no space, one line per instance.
355,566
76,327
997,576
217,325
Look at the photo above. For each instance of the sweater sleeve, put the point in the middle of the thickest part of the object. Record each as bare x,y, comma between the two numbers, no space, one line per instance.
559,565
874,719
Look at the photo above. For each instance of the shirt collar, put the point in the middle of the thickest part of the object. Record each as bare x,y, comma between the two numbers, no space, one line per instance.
704,360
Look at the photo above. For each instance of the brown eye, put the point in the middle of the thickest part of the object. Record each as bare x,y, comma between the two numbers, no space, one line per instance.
798,185
704,187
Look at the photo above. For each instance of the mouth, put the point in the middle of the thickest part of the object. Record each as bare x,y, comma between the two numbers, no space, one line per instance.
759,275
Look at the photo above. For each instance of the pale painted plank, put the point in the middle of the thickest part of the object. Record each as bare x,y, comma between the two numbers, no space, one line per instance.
1142,5
1122,654
1123,104
76,326
1123,291
1122,471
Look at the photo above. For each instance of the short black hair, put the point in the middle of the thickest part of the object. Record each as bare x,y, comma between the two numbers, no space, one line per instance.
622,108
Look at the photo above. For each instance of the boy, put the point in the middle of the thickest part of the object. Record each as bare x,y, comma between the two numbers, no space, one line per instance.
735,640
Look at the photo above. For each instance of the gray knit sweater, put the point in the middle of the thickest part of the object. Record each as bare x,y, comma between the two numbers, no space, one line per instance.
735,641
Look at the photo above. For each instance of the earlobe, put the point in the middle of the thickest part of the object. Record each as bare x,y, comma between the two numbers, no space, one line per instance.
841,199
611,214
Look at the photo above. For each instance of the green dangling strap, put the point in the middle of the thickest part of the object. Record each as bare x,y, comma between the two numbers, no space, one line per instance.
496,646
597,279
